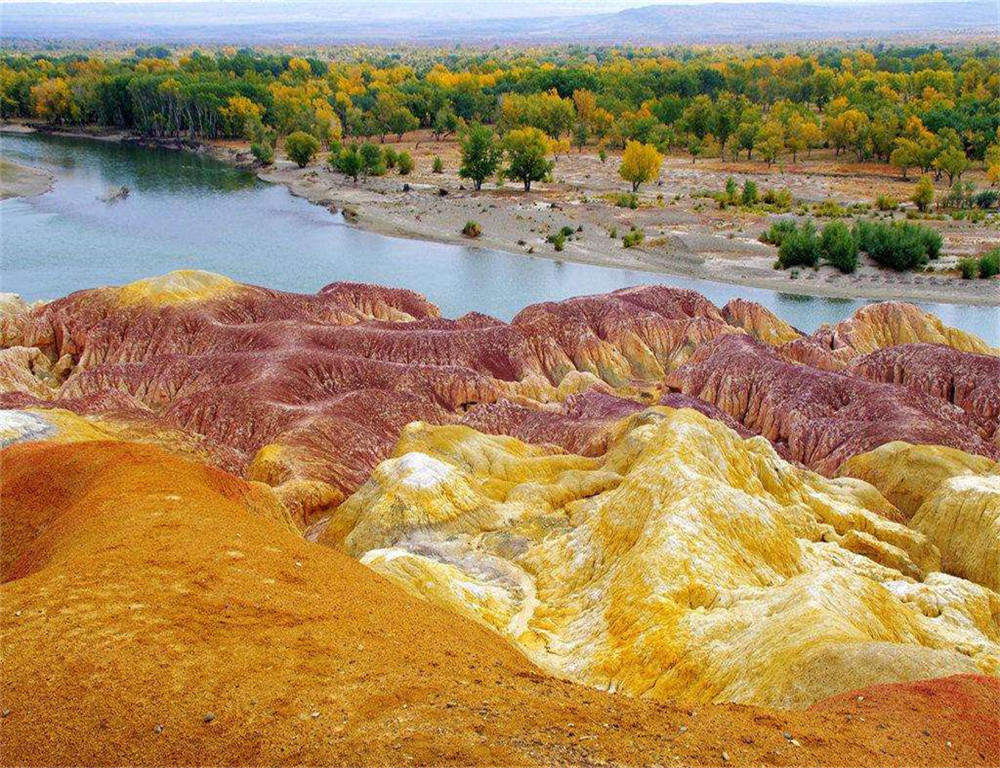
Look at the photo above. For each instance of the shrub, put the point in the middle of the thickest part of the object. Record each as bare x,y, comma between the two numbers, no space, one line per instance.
348,162
438,165
897,246
263,152
886,203
602,155
472,229
633,237
969,267
558,240
932,241
989,264
301,148
830,209
627,200
404,163
838,248
613,233
390,157
800,247
986,199
732,190
776,234
372,161
750,195
780,198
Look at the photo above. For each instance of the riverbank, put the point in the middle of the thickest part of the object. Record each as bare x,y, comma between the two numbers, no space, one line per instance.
685,234
18,180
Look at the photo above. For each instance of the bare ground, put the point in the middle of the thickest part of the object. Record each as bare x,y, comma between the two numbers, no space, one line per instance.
686,235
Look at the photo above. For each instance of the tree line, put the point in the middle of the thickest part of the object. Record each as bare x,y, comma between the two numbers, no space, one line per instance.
922,109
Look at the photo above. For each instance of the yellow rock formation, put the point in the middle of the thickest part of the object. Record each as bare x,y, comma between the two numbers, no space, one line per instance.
908,474
890,323
962,517
179,287
686,563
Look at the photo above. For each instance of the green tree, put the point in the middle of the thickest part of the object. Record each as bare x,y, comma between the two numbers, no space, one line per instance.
953,163
527,161
481,154
400,121
446,122
301,147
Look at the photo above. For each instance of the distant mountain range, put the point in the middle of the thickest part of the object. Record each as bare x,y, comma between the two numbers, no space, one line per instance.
434,23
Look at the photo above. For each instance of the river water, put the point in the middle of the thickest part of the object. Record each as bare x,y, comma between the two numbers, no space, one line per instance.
189,211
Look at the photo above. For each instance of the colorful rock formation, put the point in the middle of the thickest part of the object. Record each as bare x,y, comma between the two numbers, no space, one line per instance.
159,612
642,492
686,564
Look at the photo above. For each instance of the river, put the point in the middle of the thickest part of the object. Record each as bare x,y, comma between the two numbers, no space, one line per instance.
191,211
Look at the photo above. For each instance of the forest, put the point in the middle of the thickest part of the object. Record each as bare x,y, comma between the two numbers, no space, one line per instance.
924,109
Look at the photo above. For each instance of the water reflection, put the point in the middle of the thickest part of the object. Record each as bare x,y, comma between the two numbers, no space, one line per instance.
188,210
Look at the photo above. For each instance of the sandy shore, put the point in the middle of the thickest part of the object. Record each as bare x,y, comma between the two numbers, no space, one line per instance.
18,180
686,234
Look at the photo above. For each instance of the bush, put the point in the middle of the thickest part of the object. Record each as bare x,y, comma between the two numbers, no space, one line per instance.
558,239
627,200
438,165
301,148
923,193
986,199
969,267
780,199
372,161
838,248
348,162
886,203
989,264
776,234
633,237
390,157
404,163
899,246
932,241
472,229
263,152
800,248
750,195
613,233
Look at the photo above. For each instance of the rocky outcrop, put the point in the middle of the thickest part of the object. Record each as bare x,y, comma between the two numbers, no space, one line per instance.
907,475
684,564
622,486
970,381
759,322
962,518
892,323
815,417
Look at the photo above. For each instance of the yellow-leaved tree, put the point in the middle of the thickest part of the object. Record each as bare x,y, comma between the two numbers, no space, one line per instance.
640,163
